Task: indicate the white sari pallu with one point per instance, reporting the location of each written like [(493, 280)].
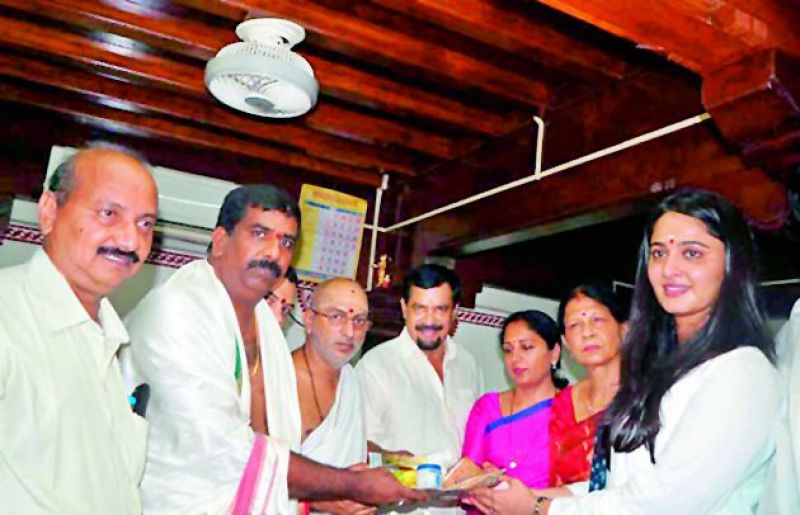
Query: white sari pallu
[(202, 455)]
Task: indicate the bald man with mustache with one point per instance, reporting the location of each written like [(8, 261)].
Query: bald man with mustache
[(69, 442)]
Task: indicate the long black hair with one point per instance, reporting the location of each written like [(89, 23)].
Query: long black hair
[(652, 360), (544, 326)]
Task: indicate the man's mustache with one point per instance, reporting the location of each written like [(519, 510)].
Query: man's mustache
[(423, 327), (266, 264), (130, 255)]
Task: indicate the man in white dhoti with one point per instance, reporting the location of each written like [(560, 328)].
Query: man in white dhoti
[(331, 408), (221, 377), (69, 442), (419, 387)]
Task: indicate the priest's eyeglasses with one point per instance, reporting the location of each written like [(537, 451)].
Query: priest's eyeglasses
[(338, 319)]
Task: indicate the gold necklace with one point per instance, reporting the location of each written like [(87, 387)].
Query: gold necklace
[(254, 370), (313, 387)]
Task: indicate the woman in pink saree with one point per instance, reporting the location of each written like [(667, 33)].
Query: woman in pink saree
[(510, 429)]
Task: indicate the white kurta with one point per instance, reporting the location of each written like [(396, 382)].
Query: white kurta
[(409, 408), (69, 442), (782, 496), (712, 453), (185, 341), (341, 439)]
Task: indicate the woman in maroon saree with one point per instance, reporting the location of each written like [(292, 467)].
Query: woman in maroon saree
[(592, 325)]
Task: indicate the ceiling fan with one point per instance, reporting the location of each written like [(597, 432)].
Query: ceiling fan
[(261, 75)]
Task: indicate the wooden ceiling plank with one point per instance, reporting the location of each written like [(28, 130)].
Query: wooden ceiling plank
[(781, 17), (340, 122), (666, 26), (189, 80), (185, 36), (101, 56), (217, 8), (151, 99), (348, 83), (501, 28), (385, 46), (149, 125)]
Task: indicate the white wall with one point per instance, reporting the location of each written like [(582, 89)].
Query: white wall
[(484, 342)]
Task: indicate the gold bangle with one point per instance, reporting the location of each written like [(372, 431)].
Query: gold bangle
[(537, 508)]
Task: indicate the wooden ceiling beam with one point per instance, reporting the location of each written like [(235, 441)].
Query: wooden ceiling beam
[(202, 41), (222, 9), (698, 34), (208, 113), (384, 46), (101, 56), (181, 35), (781, 17), (116, 120), (164, 73), (499, 27), (340, 122), (674, 29), (755, 102), (372, 91)]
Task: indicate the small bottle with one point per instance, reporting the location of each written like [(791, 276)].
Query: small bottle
[(429, 475)]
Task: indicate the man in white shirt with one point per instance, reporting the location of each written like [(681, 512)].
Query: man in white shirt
[(221, 377), (782, 490), (419, 387), (331, 408), (69, 442)]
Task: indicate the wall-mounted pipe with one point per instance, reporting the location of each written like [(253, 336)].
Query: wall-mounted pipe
[(376, 212), (669, 129)]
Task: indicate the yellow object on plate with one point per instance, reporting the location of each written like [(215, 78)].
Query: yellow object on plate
[(402, 460), (407, 477)]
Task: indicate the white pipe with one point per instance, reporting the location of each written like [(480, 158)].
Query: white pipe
[(376, 212), (559, 168), (539, 145), (615, 284), (780, 282)]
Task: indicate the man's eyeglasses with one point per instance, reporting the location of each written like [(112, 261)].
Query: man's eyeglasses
[(338, 318)]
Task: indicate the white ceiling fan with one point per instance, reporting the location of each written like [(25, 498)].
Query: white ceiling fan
[(261, 75)]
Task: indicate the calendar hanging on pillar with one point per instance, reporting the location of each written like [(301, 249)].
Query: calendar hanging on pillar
[(330, 236)]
